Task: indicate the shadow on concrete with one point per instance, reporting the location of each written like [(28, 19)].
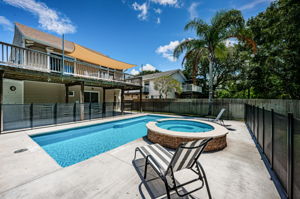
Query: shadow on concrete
[(153, 184)]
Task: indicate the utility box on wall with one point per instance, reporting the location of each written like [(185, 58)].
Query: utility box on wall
[(13, 91)]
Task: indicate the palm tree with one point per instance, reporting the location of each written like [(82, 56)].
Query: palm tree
[(210, 39)]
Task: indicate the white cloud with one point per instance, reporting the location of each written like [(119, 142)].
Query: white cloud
[(134, 72), (6, 24), (158, 20), (253, 4), (166, 2), (148, 67), (143, 8), (157, 10), (193, 10), (167, 50), (49, 19)]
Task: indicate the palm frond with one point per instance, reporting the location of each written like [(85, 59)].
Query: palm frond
[(200, 26), (187, 45)]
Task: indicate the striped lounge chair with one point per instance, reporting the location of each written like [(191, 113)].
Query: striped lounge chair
[(165, 164)]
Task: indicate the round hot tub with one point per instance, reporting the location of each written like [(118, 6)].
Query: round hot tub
[(172, 132)]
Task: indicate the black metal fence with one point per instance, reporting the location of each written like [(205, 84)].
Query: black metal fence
[(21, 116), (278, 138)]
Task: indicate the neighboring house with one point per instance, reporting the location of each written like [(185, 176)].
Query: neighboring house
[(148, 91), (33, 71)]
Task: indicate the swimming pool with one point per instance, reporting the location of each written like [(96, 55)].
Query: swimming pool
[(184, 126), (71, 146)]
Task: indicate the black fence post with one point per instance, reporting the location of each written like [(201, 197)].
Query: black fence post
[(290, 131), (253, 119), (152, 106), (55, 113), (103, 109), (74, 112), (272, 133), (31, 115), (245, 113), (257, 125), (90, 110), (263, 129)]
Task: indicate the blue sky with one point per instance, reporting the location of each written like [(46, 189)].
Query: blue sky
[(134, 31)]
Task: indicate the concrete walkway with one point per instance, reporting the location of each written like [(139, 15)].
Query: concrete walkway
[(235, 172)]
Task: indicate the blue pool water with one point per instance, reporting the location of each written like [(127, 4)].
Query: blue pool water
[(71, 146), (184, 126)]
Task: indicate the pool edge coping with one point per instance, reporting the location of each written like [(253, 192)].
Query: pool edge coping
[(218, 131)]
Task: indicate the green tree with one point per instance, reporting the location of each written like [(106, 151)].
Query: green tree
[(210, 40), (274, 71), (167, 84)]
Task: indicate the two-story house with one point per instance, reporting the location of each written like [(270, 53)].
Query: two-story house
[(42, 68), (148, 92)]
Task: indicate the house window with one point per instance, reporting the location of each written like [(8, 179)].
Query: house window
[(91, 97), (71, 93)]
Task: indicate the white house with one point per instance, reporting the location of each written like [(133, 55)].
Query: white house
[(33, 71), (150, 93)]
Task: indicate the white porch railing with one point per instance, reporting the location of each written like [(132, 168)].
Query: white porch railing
[(191, 88), (14, 56)]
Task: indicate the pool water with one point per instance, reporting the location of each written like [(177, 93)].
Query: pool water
[(71, 146), (184, 126)]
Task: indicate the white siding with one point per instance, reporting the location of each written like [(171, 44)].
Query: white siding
[(10, 96)]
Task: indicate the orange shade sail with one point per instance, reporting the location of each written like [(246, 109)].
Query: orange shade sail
[(94, 57)]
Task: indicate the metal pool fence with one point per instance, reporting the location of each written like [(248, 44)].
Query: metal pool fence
[(278, 139), (21, 116)]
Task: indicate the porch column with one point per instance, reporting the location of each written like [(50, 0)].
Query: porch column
[(67, 93), (103, 102), (81, 101), (141, 95), (122, 101), (1, 100), (49, 51)]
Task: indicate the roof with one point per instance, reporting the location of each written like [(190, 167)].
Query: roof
[(72, 49), (161, 74), (44, 38)]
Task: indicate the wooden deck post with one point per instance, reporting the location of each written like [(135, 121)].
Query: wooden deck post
[(67, 93), (1, 100), (81, 101), (122, 101)]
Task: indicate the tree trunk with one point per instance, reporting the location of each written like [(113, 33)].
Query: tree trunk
[(210, 94)]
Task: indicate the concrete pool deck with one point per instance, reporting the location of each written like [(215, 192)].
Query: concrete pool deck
[(235, 172)]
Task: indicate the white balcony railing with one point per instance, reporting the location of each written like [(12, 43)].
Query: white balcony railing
[(191, 88), (25, 58)]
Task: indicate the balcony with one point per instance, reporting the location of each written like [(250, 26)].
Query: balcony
[(24, 58), (191, 88)]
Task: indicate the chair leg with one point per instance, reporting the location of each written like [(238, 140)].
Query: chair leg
[(205, 180), (167, 189)]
